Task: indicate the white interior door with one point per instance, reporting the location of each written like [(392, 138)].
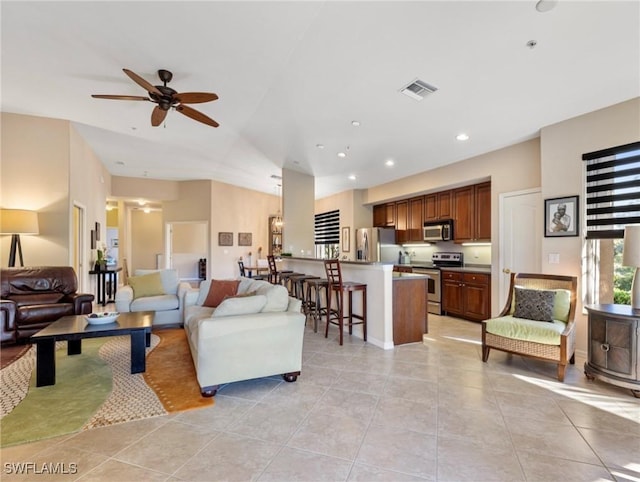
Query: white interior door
[(521, 235)]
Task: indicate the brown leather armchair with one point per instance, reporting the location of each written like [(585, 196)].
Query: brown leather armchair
[(34, 297)]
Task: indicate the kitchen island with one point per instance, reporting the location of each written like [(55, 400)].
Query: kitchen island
[(380, 280)]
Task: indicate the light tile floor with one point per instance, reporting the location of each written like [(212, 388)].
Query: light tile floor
[(429, 411)]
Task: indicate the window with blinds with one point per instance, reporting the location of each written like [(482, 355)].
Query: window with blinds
[(612, 185), (327, 228)]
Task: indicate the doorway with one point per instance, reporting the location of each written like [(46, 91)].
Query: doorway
[(78, 249), (186, 244), (520, 236)]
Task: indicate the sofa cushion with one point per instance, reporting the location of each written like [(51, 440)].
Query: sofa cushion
[(533, 304), (169, 278), (194, 313), (526, 330), (219, 290), (155, 303), (243, 305), (277, 295), (146, 285)]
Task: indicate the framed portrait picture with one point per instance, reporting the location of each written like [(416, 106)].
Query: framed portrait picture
[(225, 239), (345, 240), (561, 216), (244, 239)]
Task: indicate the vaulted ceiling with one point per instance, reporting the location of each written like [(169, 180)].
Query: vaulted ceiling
[(293, 76)]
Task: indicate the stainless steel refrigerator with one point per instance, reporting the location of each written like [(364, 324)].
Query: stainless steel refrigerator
[(370, 240)]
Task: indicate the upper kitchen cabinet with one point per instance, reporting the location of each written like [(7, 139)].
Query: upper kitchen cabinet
[(416, 216), (384, 215), (402, 222), (437, 206), (472, 213)]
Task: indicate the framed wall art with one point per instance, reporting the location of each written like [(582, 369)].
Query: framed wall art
[(244, 239), (97, 231), (346, 245), (225, 239), (561, 216)]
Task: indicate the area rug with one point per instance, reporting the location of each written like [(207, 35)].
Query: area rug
[(96, 388)]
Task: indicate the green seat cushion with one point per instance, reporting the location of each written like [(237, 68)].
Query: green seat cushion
[(526, 330)]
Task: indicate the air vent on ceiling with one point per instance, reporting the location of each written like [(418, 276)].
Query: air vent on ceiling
[(418, 89), (275, 176)]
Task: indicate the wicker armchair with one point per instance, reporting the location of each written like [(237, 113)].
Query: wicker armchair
[(561, 353)]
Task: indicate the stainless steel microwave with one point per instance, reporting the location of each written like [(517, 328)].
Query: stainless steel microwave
[(438, 231)]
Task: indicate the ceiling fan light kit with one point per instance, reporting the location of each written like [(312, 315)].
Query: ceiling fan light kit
[(166, 98)]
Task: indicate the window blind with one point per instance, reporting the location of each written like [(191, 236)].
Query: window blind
[(327, 227), (612, 185)]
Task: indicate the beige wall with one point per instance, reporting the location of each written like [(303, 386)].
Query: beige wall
[(235, 209), (143, 188), (561, 166), (298, 198), (146, 239)]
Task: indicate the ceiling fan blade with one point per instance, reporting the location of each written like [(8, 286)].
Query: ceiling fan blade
[(119, 97), (157, 116), (195, 115), (195, 97), (142, 83)]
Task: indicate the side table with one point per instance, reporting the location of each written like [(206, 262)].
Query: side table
[(613, 355), (107, 275)]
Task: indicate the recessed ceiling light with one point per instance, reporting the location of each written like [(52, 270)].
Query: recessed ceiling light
[(342, 154), (532, 44), (389, 163), (352, 177), (320, 146), (462, 137), (146, 210), (355, 123), (546, 5), (141, 202)]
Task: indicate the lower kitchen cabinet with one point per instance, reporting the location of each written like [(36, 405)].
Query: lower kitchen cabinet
[(466, 295)]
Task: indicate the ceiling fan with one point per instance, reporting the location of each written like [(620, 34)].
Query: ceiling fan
[(167, 98)]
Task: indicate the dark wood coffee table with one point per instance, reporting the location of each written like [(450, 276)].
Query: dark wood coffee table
[(74, 329)]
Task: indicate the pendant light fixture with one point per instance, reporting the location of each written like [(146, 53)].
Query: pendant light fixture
[(277, 221)]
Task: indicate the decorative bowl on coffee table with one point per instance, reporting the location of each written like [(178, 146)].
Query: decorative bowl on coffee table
[(102, 318)]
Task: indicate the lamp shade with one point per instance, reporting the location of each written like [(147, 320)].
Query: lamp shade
[(18, 221), (631, 250)]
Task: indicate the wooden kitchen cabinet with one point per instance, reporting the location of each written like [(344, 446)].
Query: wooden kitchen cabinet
[(466, 294), (402, 222), (437, 206), (384, 215), (416, 216), (409, 309), (472, 213)]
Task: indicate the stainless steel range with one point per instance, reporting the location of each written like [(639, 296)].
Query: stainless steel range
[(434, 286)]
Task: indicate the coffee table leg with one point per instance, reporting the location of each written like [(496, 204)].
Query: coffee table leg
[(148, 338), (45, 362), (74, 347), (138, 342)]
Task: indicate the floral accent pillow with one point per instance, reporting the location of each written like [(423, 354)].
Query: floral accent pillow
[(534, 304)]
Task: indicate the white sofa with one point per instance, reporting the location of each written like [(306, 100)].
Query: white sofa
[(254, 336), (168, 306)]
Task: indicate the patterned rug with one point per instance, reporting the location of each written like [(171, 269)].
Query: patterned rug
[(96, 388)]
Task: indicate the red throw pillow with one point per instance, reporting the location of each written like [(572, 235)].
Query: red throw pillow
[(219, 290)]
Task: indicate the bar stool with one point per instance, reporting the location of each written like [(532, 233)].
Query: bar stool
[(298, 286), (274, 274), (286, 280), (243, 272), (337, 288), (314, 306)]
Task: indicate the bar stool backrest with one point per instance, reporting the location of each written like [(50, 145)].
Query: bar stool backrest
[(242, 271), (334, 273)]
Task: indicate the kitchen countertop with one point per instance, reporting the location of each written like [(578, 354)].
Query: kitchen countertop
[(465, 269), (407, 276)]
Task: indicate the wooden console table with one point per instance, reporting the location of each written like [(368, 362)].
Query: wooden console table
[(106, 275), (613, 355)]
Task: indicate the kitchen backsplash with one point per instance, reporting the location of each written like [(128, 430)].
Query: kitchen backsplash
[(472, 254)]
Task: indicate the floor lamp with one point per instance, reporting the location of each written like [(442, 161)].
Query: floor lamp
[(16, 222), (631, 257)]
